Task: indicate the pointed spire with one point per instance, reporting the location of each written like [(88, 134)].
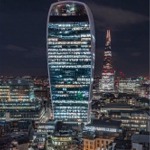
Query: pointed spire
[(108, 38)]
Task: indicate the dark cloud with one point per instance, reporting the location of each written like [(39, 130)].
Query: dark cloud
[(36, 52), (114, 16), (136, 54), (16, 48)]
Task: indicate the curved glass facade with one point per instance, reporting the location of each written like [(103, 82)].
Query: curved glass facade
[(70, 49)]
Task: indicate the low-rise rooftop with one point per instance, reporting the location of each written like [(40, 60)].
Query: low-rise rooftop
[(140, 138)]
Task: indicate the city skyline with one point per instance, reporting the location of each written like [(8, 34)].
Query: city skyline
[(23, 36), (74, 75)]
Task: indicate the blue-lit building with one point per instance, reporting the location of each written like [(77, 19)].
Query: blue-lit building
[(71, 54)]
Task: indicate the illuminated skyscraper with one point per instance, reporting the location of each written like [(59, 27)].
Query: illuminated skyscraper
[(107, 81), (71, 53)]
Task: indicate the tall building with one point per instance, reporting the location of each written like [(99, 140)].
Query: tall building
[(70, 49), (107, 81)]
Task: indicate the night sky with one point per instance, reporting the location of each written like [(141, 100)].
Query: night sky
[(23, 35)]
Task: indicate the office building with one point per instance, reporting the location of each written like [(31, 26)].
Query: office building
[(135, 120), (128, 85), (70, 52), (17, 101)]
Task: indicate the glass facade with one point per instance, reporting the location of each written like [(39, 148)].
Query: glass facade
[(70, 48)]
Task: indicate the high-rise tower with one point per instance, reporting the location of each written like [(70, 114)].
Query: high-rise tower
[(71, 54), (107, 81)]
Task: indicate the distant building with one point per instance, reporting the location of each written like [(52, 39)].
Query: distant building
[(107, 80), (128, 85), (136, 120), (17, 90), (18, 101), (70, 49), (143, 90), (140, 102)]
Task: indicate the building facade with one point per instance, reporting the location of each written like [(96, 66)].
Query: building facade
[(70, 49), (18, 101), (135, 120), (128, 86)]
